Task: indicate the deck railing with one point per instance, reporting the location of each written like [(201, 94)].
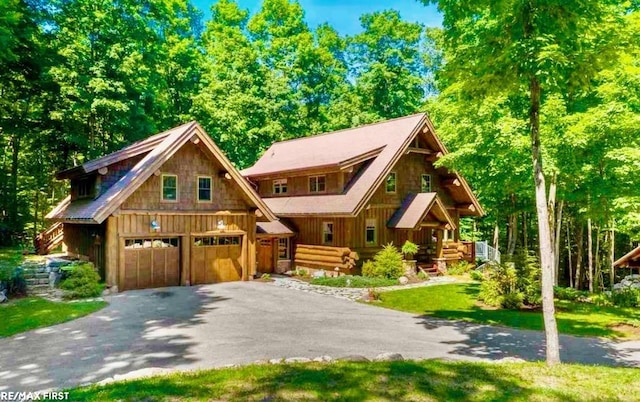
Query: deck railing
[(487, 253), (49, 239)]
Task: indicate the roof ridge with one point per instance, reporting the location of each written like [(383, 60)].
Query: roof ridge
[(347, 129)]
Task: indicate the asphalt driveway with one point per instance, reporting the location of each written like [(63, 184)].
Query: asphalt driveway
[(241, 322)]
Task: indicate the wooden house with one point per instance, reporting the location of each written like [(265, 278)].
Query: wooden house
[(168, 210), (347, 193), (631, 260)]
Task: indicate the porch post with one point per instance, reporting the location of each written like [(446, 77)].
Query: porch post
[(439, 243), (410, 235)]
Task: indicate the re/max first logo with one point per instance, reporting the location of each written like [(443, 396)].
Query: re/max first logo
[(33, 396)]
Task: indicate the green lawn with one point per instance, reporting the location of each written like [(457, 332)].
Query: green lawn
[(354, 281), (29, 313), (459, 302), (428, 380), (10, 257)]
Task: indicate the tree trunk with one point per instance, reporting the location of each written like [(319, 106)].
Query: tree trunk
[(612, 254), (512, 233), (579, 256), (496, 235), (569, 265), (597, 263), (544, 233), (525, 235), (556, 253), (590, 255), (13, 186)]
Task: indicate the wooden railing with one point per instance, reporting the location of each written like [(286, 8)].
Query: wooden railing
[(487, 253), (49, 239)]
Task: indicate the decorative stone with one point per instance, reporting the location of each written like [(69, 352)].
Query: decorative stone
[(389, 357), (297, 360), (410, 267), (319, 274), (3, 296), (354, 358), (403, 280), (275, 361)]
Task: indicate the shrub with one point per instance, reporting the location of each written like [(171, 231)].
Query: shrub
[(300, 272), (501, 280), (82, 281), (477, 275), (512, 301), (409, 249), (423, 275), (369, 269), (265, 276), (569, 294), (387, 263), (601, 299), (626, 297), (459, 268), (373, 294)]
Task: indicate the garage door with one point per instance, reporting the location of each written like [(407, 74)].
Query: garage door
[(151, 263), (216, 259)]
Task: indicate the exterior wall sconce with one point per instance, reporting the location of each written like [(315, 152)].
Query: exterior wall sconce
[(221, 225), (155, 226)]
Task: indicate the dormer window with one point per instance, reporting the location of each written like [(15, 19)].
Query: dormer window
[(84, 189), (280, 186), (317, 184), (391, 183)]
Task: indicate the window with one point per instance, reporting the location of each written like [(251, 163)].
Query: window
[(280, 186), (150, 243), (283, 248), (425, 183), (169, 187), (370, 232), (84, 189), (327, 232), (391, 183), (216, 241), (204, 188), (316, 184)]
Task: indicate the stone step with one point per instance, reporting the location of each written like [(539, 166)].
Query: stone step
[(35, 275), (37, 281)]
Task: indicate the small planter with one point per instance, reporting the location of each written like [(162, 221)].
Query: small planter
[(410, 267)]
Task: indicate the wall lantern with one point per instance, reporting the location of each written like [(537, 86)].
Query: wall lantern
[(155, 226), (221, 225)]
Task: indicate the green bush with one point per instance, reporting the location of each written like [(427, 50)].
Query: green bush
[(387, 263), (512, 301), (569, 294), (459, 268), (82, 281), (500, 281), (409, 249), (423, 275), (626, 297), (601, 299), (353, 281), (477, 275)]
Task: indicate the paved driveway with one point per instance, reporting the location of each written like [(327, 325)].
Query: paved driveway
[(215, 325)]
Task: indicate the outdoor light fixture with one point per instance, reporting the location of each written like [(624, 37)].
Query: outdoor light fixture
[(155, 226), (221, 225)]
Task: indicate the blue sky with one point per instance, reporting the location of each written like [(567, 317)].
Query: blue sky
[(343, 14)]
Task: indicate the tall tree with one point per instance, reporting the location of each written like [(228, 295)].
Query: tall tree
[(529, 48)]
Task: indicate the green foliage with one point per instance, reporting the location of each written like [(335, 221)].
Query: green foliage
[(349, 281), (459, 268), (387, 263), (512, 301), (373, 294), (423, 275), (265, 276), (477, 275), (409, 249), (626, 297), (501, 281), (569, 294), (300, 272), (81, 282)]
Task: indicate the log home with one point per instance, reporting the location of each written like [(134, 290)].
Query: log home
[(169, 210), (347, 193)]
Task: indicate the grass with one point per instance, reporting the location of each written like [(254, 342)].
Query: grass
[(30, 313), (10, 258), (354, 281), (428, 380), (459, 302)]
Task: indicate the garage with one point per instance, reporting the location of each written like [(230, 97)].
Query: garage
[(151, 263), (216, 259)]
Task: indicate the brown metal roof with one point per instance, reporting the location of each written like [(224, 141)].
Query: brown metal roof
[(415, 209), (391, 138), (631, 256), (276, 228), (96, 211)]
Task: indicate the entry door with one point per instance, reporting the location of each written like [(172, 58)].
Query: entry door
[(265, 255), (216, 259)]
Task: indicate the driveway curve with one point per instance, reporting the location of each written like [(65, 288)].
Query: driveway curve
[(186, 328)]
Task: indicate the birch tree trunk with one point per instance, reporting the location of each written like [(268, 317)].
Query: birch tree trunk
[(590, 255), (569, 265), (556, 253), (612, 252), (496, 235), (579, 256), (546, 250), (512, 233)]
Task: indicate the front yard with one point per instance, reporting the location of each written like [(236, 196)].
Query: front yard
[(22, 315), (428, 380), (460, 302)]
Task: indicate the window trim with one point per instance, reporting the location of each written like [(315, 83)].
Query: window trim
[(324, 190), (198, 177), (287, 255), (279, 182), (395, 183), (162, 176), (325, 224), (422, 176), (375, 232)]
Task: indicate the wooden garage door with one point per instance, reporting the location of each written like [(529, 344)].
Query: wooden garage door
[(151, 263), (216, 259)]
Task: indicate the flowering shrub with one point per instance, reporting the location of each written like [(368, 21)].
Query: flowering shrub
[(627, 292)]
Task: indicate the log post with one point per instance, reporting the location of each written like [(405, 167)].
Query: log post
[(111, 253)]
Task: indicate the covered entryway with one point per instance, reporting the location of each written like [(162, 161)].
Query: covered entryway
[(151, 263), (266, 256), (216, 259)]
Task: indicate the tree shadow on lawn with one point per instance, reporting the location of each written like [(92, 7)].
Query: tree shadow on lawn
[(406, 380), (139, 329)]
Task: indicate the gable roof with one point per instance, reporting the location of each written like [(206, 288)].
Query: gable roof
[(415, 209), (631, 256), (383, 143), (97, 210)]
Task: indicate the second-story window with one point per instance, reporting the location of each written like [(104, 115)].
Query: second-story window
[(84, 189), (317, 184), (425, 183), (204, 188), (280, 186), (391, 183), (169, 187)]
